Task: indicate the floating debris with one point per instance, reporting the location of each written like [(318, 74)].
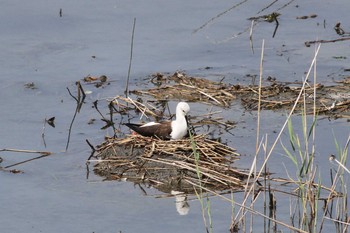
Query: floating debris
[(307, 16), (274, 95), (268, 18), (97, 81), (30, 85), (191, 89), (51, 122)]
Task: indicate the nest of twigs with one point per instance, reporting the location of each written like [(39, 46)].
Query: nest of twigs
[(170, 165)]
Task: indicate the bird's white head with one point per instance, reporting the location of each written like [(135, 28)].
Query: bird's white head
[(179, 126), (182, 109)]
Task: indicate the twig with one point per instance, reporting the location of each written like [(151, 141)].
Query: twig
[(80, 101), (259, 91), (337, 221), (266, 7), (136, 104), (210, 97), (285, 5), (218, 16), (88, 160), (92, 148), (333, 159), (27, 151), (141, 110), (109, 122), (28, 160), (43, 132), (202, 92), (131, 52), (251, 36), (277, 24), (308, 43), (111, 108), (95, 105)]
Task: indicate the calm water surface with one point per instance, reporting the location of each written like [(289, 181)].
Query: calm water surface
[(93, 37)]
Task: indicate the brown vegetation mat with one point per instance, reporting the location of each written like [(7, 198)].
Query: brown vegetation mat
[(330, 100), (192, 89), (170, 165)]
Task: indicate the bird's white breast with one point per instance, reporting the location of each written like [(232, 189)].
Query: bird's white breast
[(179, 129)]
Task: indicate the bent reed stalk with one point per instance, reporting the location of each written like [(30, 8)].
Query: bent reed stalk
[(309, 195), (307, 216), (204, 205)]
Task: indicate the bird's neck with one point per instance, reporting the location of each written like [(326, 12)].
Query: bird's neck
[(180, 118)]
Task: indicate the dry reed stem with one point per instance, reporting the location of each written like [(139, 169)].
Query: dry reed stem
[(27, 151), (190, 167), (130, 58), (290, 114), (202, 92), (249, 209), (140, 106), (257, 177), (333, 187)]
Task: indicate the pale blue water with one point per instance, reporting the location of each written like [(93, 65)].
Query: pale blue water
[(36, 45)]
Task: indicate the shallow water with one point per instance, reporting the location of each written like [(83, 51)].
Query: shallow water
[(52, 194)]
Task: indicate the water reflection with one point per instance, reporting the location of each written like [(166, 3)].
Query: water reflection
[(181, 203)]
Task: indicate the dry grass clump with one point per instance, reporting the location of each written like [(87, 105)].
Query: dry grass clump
[(331, 100), (170, 165), (192, 89)]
